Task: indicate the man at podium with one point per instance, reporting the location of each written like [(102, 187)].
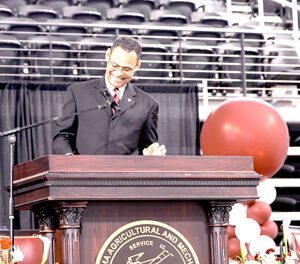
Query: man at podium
[(110, 115)]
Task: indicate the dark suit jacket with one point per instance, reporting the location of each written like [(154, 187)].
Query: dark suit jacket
[(98, 132)]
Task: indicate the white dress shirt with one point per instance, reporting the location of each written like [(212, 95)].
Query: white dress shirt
[(120, 91)]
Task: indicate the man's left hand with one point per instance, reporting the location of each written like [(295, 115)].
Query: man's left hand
[(155, 149)]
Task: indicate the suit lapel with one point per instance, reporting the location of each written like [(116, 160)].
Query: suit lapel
[(127, 101)]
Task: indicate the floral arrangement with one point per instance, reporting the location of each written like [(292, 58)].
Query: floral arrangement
[(262, 250), (9, 255), (269, 257)]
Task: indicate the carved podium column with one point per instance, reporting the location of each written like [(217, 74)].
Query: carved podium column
[(218, 219), (70, 216), (47, 220)]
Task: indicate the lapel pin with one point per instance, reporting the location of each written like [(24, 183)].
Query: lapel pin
[(129, 100)]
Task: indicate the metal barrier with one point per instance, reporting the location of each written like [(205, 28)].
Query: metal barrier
[(233, 60)]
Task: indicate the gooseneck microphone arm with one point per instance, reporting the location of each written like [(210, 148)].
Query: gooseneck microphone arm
[(12, 140), (53, 119), (111, 100)]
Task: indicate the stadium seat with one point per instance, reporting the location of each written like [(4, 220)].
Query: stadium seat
[(283, 204), (21, 27), (124, 14), (45, 2), (297, 141), (37, 12), (10, 53), (210, 38), (231, 66), (101, 7), (155, 66), (170, 17), (49, 57), (286, 171), (195, 58), (164, 36), (153, 4), (82, 13), (110, 3), (212, 19), (282, 62), (5, 11), (112, 30), (92, 55), (14, 5), (145, 6), (254, 38), (57, 5), (185, 7), (69, 29)]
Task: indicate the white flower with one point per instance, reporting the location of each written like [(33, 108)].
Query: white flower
[(17, 254)]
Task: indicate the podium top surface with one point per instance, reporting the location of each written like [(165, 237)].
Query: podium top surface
[(148, 166), (88, 177)]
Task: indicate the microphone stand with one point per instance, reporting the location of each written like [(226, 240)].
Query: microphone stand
[(12, 141)]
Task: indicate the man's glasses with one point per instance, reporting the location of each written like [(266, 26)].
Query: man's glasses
[(116, 67)]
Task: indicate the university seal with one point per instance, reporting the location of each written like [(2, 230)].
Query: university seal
[(147, 242)]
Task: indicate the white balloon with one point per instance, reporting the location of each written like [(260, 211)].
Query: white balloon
[(238, 212), (266, 191), (261, 245), (247, 230)]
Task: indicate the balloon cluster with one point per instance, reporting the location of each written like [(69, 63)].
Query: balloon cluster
[(249, 127), (250, 221)]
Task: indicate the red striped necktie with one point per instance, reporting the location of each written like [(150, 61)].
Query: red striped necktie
[(117, 98)]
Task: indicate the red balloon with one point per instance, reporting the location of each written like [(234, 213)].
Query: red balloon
[(259, 211), (247, 127), (270, 229), (231, 231), (248, 203), (234, 247), (32, 248)]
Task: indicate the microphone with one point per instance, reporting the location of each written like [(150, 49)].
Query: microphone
[(111, 100)]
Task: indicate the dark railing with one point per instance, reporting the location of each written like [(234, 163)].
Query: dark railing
[(236, 60)]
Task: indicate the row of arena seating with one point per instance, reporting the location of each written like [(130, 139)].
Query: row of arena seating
[(212, 29), (68, 49), (123, 14), (168, 11), (52, 57), (100, 10), (28, 24)]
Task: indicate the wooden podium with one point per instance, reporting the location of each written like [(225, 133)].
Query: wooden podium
[(80, 201)]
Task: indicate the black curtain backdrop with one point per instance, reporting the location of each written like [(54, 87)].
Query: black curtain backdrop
[(25, 104)]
